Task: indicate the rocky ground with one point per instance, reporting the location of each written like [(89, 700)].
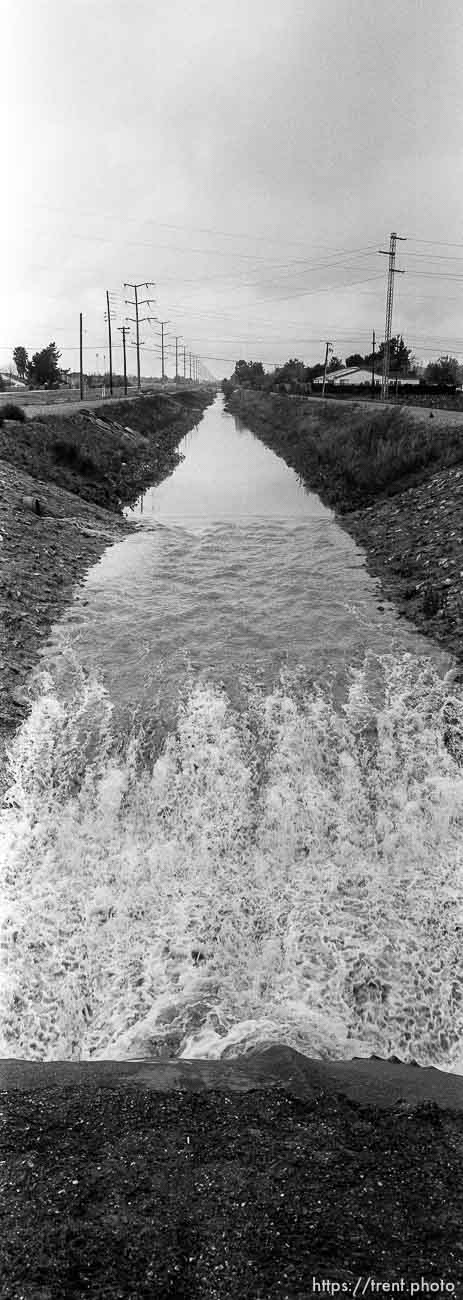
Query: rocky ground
[(245, 1180), (414, 543)]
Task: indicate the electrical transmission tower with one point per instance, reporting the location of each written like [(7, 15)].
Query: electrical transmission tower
[(393, 270), (139, 302), (162, 323)]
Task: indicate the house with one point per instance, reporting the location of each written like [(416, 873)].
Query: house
[(357, 376)]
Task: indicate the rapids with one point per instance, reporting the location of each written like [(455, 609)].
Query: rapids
[(234, 815)]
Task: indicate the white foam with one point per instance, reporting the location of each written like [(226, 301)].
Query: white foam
[(291, 873)]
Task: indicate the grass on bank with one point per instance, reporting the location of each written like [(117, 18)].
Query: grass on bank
[(103, 455), (351, 456)]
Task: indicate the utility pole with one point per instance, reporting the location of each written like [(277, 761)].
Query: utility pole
[(392, 271), (177, 337), (110, 345), (190, 363), (139, 302), (124, 329), (81, 361), (373, 366), (328, 349), (184, 363), (162, 323)]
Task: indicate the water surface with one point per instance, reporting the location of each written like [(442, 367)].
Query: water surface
[(236, 810)]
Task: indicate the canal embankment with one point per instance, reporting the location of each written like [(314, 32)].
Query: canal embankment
[(395, 483), (230, 1179), (64, 480)]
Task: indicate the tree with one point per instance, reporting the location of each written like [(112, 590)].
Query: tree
[(43, 371), (334, 364), (249, 372), (355, 360), (312, 372), (292, 370), (401, 361), (399, 356), (446, 370), (20, 359)]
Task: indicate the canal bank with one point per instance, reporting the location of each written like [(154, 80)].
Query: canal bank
[(64, 480), (396, 484)]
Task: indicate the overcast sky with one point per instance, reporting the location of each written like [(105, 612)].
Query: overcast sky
[(247, 157)]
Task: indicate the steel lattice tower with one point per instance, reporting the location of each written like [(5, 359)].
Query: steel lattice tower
[(392, 271)]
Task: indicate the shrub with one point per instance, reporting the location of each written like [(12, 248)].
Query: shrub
[(12, 412), (68, 453)]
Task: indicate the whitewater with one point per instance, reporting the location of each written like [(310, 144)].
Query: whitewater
[(234, 814)]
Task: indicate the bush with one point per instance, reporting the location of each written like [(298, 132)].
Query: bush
[(68, 453), (12, 412)]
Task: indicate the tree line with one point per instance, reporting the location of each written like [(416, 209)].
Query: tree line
[(42, 370), (445, 371)]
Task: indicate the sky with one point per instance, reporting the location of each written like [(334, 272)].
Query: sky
[(249, 159)]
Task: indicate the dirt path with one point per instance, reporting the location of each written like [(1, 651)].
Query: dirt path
[(418, 413)]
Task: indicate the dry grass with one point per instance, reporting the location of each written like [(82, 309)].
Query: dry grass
[(350, 455)]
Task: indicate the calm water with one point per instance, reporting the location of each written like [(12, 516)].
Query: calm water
[(235, 812)]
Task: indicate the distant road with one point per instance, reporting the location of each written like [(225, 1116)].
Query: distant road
[(440, 414), (34, 404)]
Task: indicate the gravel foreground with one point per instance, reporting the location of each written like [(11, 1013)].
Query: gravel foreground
[(250, 1178)]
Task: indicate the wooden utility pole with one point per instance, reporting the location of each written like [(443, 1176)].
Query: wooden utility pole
[(124, 329), (190, 363), (184, 363), (81, 362), (139, 302), (327, 350), (110, 345), (373, 366)]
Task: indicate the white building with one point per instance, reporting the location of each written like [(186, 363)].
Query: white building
[(10, 380), (357, 375)]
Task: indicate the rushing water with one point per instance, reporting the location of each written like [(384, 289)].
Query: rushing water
[(235, 811)]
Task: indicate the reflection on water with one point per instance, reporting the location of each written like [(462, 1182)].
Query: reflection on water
[(235, 567), (227, 475)]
